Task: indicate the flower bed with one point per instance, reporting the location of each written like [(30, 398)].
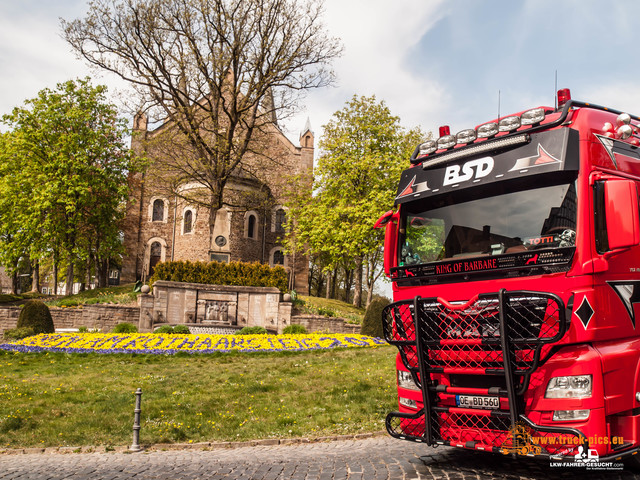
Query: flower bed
[(170, 344)]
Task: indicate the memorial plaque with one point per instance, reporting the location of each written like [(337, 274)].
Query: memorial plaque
[(175, 307), (256, 309)]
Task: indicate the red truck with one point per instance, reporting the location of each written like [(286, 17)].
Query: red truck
[(514, 253)]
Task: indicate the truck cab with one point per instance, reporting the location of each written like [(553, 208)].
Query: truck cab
[(514, 251)]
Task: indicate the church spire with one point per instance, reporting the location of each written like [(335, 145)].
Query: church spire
[(307, 137)]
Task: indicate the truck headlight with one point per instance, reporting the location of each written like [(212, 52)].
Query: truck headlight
[(406, 381), (407, 402), (575, 386), (560, 415)]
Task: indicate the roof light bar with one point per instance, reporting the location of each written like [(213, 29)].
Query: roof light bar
[(509, 124), (428, 147), (488, 130), (446, 141), (477, 149), (533, 116), (466, 136)]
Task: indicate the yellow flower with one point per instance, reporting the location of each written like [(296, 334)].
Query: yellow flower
[(155, 343)]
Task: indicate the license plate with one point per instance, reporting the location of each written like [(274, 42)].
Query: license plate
[(477, 401)]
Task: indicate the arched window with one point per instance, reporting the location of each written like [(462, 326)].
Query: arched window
[(188, 221), (158, 210), (281, 219), (251, 225), (155, 256), (278, 258)]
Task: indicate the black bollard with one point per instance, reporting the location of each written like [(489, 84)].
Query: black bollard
[(135, 447)]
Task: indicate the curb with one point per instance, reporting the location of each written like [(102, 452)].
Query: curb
[(155, 447)]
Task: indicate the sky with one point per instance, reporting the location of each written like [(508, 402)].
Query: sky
[(434, 62)]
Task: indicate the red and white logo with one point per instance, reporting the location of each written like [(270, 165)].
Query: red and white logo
[(413, 188), (542, 158)]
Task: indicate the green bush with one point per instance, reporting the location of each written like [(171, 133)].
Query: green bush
[(169, 330), (164, 329), (294, 329), (36, 314), (14, 334), (252, 331), (181, 330), (125, 328), (83, 330), (372, 323), (326, 312), (218, 273)]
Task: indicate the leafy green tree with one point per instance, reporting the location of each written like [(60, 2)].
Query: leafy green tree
[(15, 245), (64, 170), (364, 151)]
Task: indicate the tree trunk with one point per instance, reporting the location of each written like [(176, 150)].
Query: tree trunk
[(319, 284), (334, 282), (216, 204), (55, 274), (348, 283), (69, 277), (35, 279), (374, 272), (14, 282), (102, 273), (357, 293), (369, 296), (96, 267), (329, 285), (87, 278)]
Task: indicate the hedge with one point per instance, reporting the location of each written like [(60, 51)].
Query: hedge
[(218, 273)]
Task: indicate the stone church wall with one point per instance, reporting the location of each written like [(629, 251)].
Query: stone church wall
[(245, 192), (101, 317)]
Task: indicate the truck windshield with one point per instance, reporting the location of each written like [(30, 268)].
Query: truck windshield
[(509, 222)]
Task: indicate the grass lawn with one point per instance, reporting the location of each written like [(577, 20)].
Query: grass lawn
[(10, 298), (113, 294), (332, 308), (58, 399)]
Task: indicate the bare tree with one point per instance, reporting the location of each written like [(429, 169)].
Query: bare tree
[(220, 72)]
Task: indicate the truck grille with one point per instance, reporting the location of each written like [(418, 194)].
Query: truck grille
[(499, 336), (466, 338)]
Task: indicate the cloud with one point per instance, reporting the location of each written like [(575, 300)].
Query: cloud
[(33, 54), (378, 37), (623, 95)]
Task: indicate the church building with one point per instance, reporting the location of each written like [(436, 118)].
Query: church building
[(160, 226)]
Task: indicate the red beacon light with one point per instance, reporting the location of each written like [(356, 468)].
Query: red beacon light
[(564, 95), (444, 130)]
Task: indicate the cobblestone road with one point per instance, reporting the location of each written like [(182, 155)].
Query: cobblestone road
[(372, 458)]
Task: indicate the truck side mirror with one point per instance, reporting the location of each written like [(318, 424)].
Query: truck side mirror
[(621, 207), (390, 221)]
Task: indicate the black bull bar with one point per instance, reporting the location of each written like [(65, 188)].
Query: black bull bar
[(499, 336)]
